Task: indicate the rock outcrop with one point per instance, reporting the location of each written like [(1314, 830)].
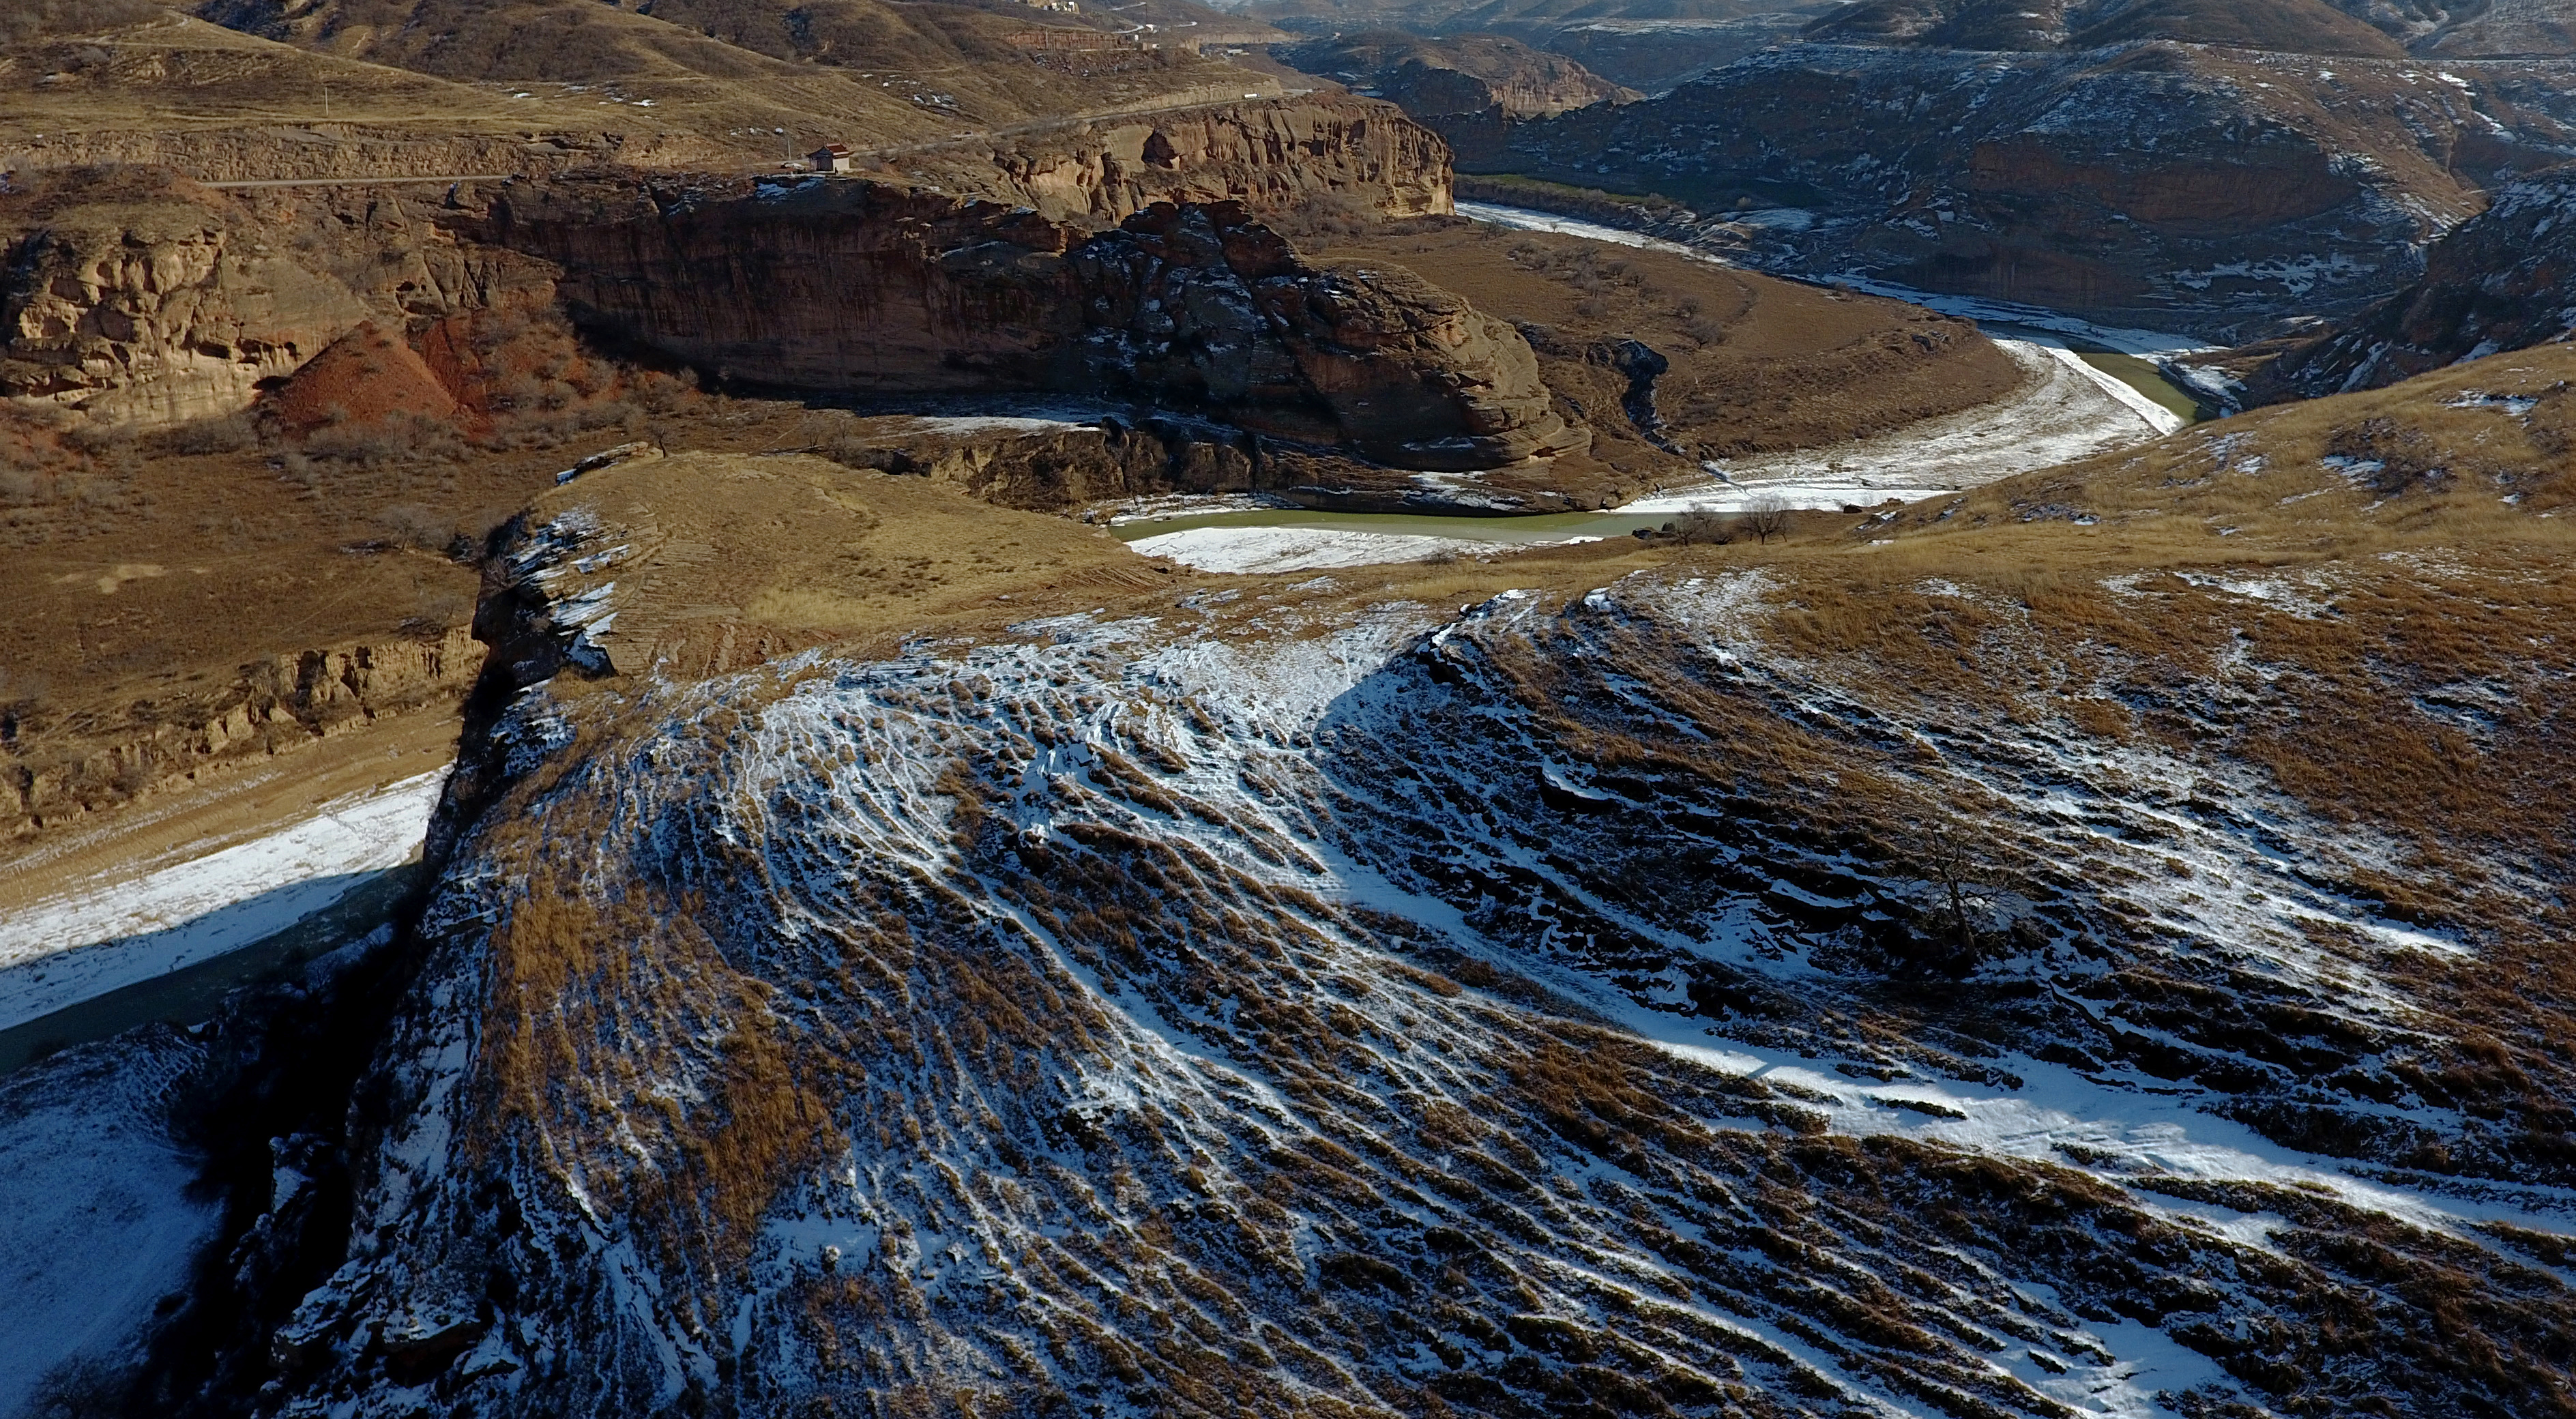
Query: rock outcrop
[(857, 287), (2505, 280), (58, 766), (137, 296), (158, 311), (1264, 155)]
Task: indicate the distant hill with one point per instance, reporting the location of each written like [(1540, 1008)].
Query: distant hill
[(2288, 26), (860, 67), (2178, 187), (1458, 74)]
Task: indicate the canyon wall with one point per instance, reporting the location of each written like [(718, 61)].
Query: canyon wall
[(56, 767), (137, 296), (850, 286), (1264, 155)]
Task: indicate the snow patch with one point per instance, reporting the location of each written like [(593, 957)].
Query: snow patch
[(111, 932)]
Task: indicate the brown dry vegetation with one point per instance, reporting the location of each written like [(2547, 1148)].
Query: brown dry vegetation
[(1150, 1246), (438, 87), (1757, 364)]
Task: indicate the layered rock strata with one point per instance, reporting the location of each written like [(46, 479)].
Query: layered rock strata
[(56, 767), (848, 286), (137, 296), (1264, 155)]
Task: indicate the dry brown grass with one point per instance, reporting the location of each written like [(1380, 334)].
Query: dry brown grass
[(1435, 1081), (1757, 364)]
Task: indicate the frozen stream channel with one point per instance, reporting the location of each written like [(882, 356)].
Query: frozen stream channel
[(2067, 408), (119, 931)]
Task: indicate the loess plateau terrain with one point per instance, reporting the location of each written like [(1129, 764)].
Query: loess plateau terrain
[(2090, 945), (1128, 751)]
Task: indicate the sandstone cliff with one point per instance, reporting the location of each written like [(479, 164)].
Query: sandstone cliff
[(1265, 155), (136, 296), (2503, 281), (848, 286), (157, 311), (56, 766)]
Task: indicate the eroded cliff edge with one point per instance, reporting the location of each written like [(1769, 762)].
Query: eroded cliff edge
[(855, 287)]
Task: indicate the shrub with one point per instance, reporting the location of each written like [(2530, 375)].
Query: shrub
[(396, 438), (418, 527), (1699, 525), (1766, 517), (229, 433)]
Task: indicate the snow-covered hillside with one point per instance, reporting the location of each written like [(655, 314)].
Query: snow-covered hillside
[(1300, 1005)]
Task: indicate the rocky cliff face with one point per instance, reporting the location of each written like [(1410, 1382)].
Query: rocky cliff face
[(855, 287), (1265, 155), (58, 767), (135, 296), (2503, 281), (159, 311), (2152, 183)]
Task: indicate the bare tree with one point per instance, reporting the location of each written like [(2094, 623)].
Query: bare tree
[(1766, 516), (1700, 525), (1946, 852), (1947, 861)]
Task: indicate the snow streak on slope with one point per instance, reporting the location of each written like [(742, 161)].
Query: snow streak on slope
[(1290, 549), (2059, 415), (1245, 1019)]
